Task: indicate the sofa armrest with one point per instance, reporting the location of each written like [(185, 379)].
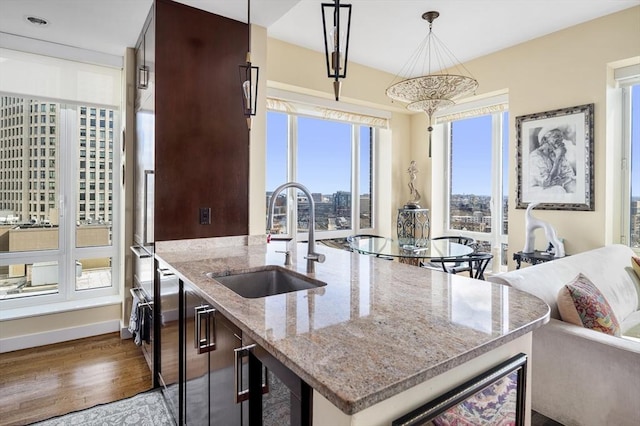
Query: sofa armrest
[(584, 377)]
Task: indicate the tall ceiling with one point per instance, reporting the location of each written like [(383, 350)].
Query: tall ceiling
[(384, 33)]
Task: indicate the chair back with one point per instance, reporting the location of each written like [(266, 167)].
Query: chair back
[(467, 241)]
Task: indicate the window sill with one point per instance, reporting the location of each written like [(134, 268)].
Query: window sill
[(55, 308)]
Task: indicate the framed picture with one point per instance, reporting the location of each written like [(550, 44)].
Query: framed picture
[(555, 159), (495, 397)]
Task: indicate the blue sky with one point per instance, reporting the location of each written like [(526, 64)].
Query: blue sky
[(324, 154)]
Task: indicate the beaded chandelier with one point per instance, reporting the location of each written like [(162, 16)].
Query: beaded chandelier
[(435, 90)]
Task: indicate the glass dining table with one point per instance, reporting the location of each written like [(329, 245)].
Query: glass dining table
[(391, 249)]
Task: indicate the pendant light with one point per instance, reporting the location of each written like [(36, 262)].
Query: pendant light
[(336, 41), (434, 89), (249, 77)]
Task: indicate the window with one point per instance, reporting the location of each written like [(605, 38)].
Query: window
[(634, 167), (333, 159), (475, 161), (42, 261), (629, 87)]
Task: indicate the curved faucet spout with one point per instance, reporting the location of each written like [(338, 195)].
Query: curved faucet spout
[(312, 256)]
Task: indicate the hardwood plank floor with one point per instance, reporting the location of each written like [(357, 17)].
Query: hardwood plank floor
[(47, 381)]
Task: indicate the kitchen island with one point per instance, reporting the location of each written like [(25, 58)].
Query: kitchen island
[(379, 339)]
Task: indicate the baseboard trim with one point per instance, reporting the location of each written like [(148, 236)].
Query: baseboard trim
[(56, 336)]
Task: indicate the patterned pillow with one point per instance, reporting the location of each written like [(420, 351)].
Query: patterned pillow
[(581, 303), (635, 262)]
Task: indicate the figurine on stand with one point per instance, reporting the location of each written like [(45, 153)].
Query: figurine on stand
[(415, 195)]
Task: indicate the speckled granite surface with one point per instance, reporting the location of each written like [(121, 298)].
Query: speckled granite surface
[(377, 328)]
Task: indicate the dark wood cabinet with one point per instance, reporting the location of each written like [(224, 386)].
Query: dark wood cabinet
[(209, 367), (192, 138), (211, 373)]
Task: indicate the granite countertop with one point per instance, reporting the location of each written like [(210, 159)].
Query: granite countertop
[(377, 328)]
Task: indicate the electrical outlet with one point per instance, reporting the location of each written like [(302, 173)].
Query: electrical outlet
[(205, 215)]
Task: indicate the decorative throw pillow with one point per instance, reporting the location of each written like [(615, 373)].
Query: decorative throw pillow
[(581, 303), (635, 262)]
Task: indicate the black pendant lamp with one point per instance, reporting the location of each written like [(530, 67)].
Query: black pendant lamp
[(249, 77), (335, 17)]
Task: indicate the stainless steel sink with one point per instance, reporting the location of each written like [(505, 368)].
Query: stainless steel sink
[(269, 281)]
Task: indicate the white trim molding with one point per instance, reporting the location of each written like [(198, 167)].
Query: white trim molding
[(56, 336)]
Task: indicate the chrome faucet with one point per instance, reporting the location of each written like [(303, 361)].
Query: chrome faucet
[(312, 256)]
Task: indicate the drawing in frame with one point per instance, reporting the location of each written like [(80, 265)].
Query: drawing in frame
[(555, 159), (496, 396)]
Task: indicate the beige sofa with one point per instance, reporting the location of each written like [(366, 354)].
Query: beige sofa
[(581, 376)]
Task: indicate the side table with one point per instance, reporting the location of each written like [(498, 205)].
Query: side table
[(533, 258), (413, 227)]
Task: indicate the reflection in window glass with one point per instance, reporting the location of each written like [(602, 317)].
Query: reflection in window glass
[(93, 273), (471, 306)]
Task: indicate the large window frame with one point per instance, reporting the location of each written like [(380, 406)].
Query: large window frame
[(68, 253), (628, 91), (498, 237), (355, 185)]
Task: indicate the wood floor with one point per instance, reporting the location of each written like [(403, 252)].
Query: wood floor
[(47, 381)]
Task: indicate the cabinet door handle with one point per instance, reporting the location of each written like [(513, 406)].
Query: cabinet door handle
[(206, 343), (165, 272), (243, 394)]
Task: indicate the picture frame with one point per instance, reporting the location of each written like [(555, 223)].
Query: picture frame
[(497, 396), (555, 159)]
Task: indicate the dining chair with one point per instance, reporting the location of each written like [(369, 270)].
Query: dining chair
[(467, 241), (474, 263), (455, 265)]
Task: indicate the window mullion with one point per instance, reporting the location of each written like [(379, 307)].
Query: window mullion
[(66, 190), (292, 174), (496, 189), (446, 195), (355, 178), (625, 166)]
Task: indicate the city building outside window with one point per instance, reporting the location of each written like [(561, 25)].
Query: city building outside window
[(51, 252), (333, 159), (475, 161)]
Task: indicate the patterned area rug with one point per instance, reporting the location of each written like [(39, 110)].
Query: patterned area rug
[(144, 409)]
